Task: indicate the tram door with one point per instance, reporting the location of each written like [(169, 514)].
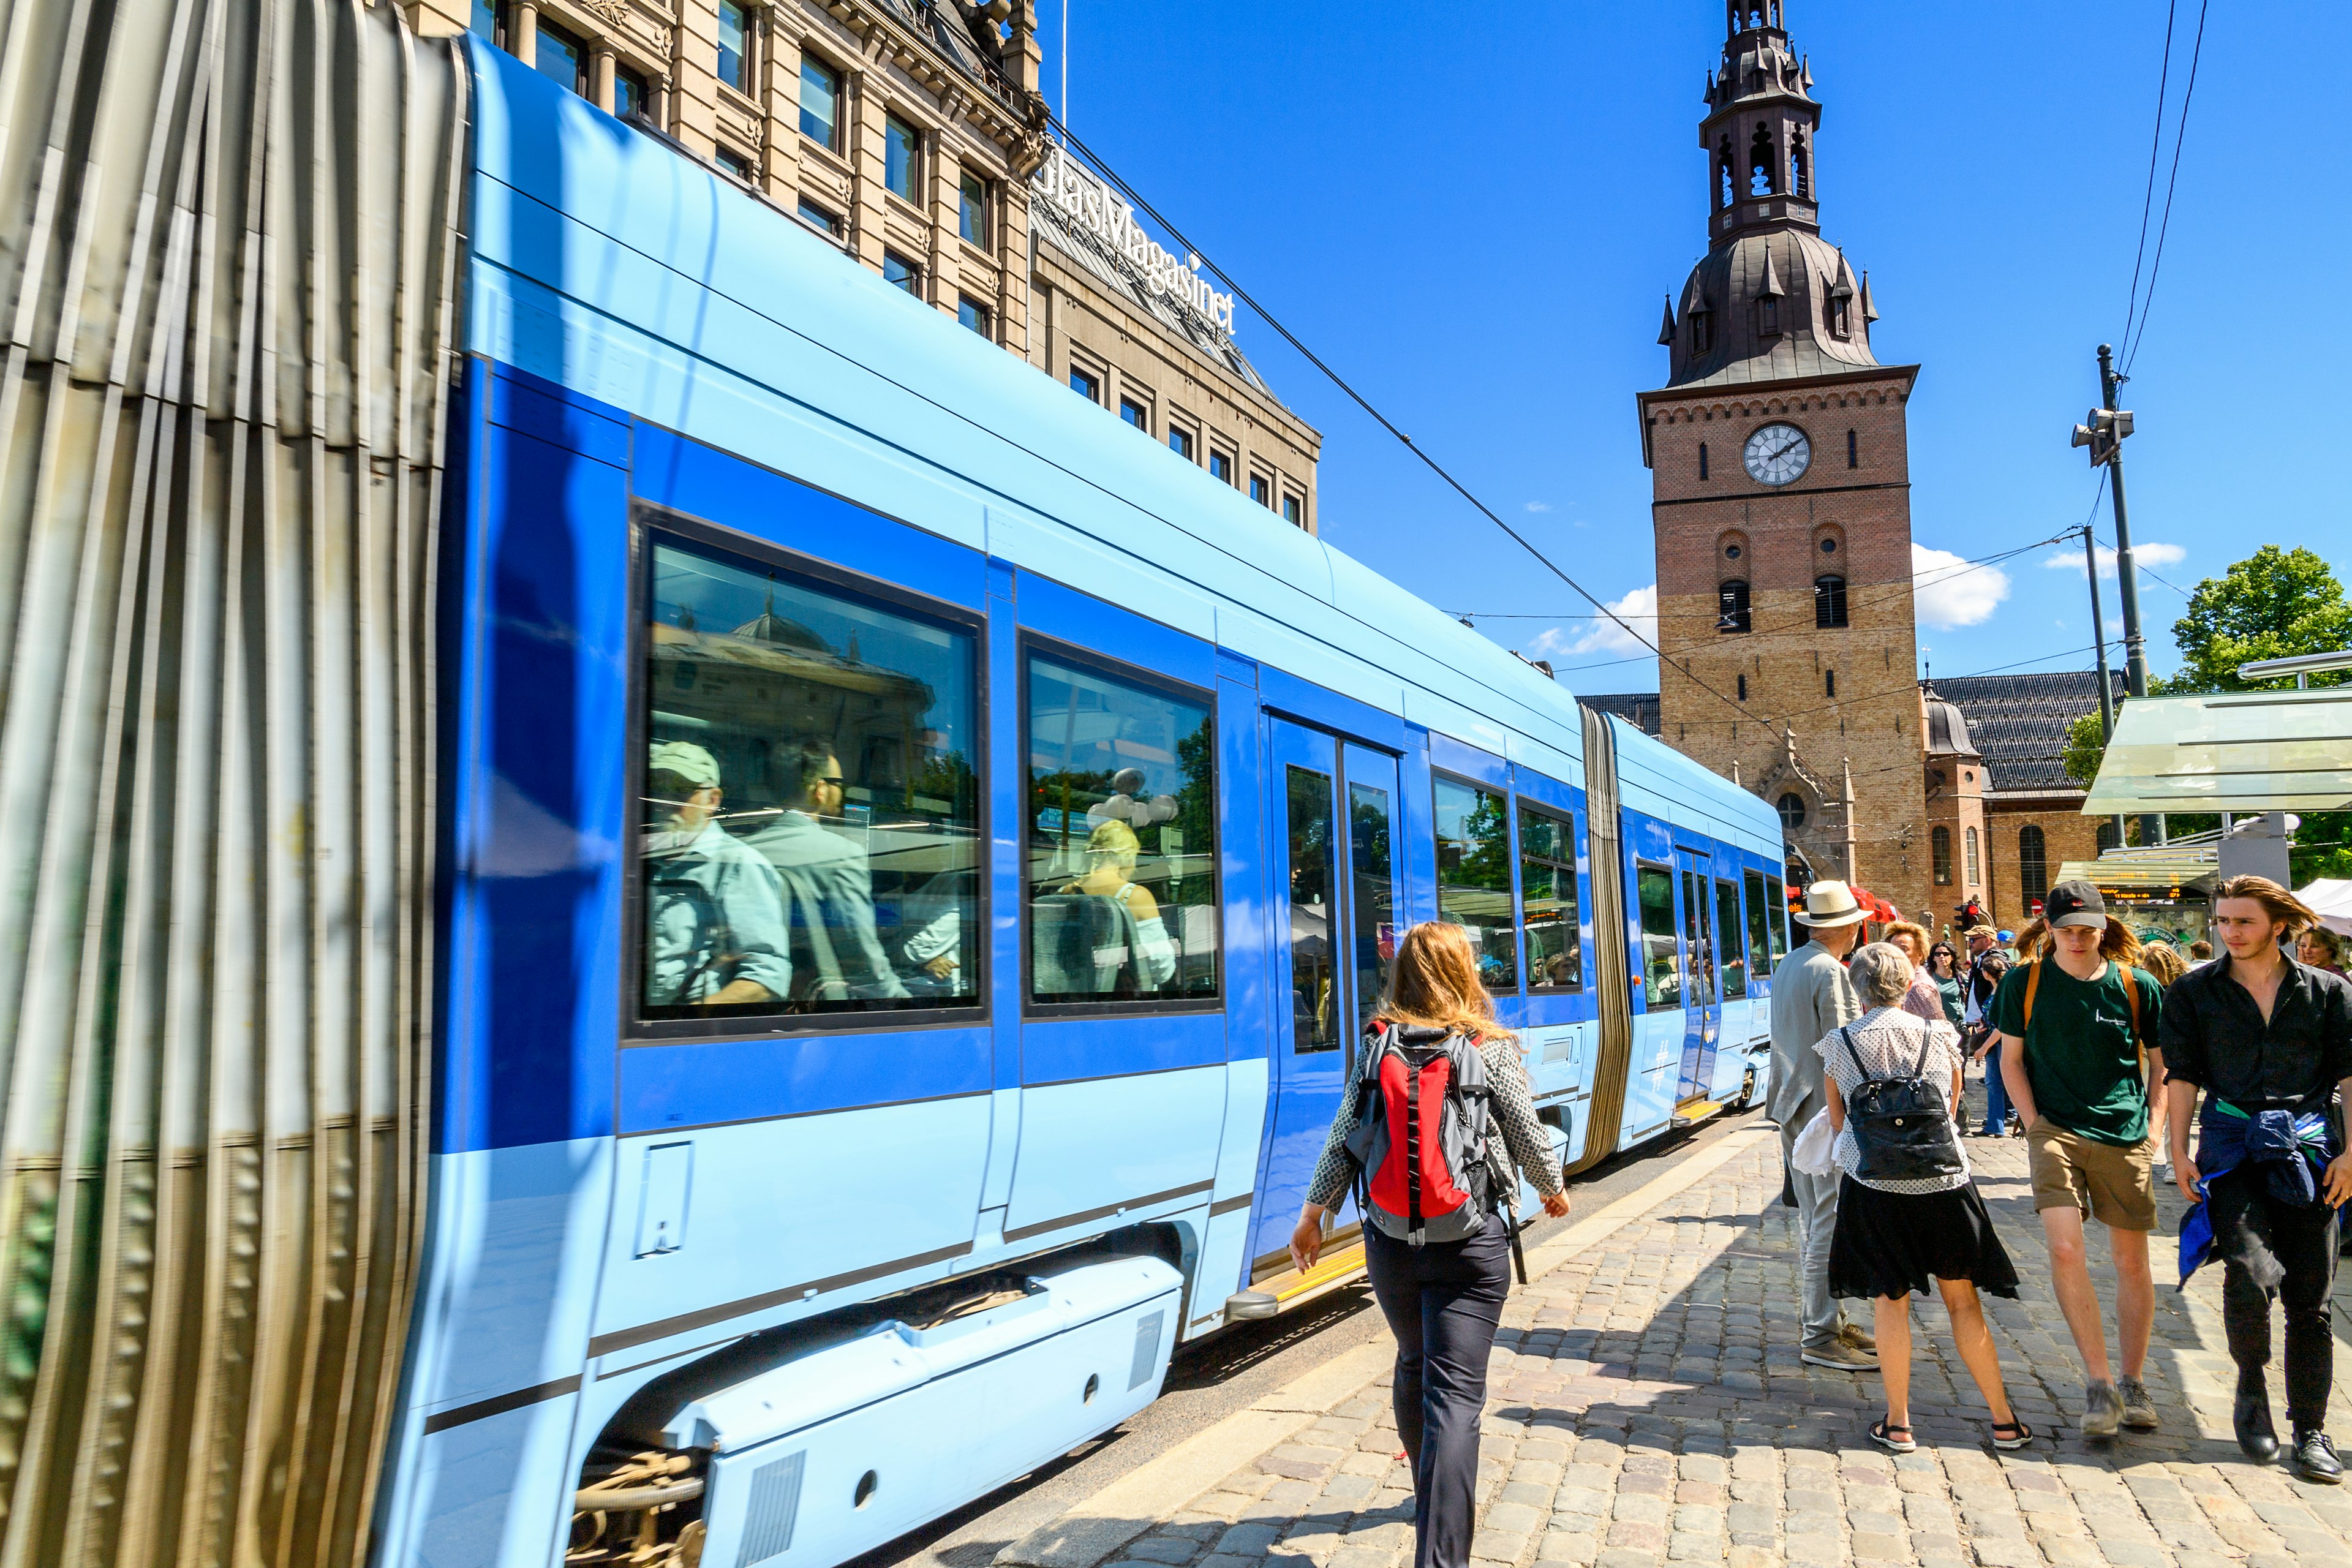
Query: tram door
[(1336, 866), (1702, 1004)]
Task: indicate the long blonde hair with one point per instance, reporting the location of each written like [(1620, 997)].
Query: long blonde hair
[(2117, 943), (1433, 985)]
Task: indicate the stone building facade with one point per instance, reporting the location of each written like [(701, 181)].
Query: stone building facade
[(1780, 491), (2032, 808), (912, 134)]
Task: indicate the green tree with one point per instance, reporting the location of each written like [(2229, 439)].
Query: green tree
[(2087, 743), (2276, 604)]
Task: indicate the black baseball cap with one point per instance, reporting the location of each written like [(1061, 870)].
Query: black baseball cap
[(2075, 904)]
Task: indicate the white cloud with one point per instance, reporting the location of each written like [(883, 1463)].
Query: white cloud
[(1638, 609), (1949, 593), (2154, 554), (1539, 506)]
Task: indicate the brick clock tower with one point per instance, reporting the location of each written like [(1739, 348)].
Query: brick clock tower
[(1780, 493)]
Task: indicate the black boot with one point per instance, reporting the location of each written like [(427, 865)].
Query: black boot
[(2256, 1436), (2315, 1459)]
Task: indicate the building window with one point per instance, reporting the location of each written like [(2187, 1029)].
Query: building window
[(1841, 317), (820, 103), (1130, 412), (1743, 688), (734, 164), (1768, 318), (1180, 441), (1122, 831), (901, 145), (1763, 165), (561, 57), (1548, 928), (1829, 683), (901, 273), (1940, 847), (1724, 174), (490, 22), (973, 314), (1260, 491), (1221, 465), (1473, 878), (2108, 838), (1702, 325), (1293, 511), (1702, 459), (1731, 600), (1853, 450), (631, 101), (1087, 384), (735, 45), (1829, 544), (1975, 866), (972, 207), (2034, 862), (816, 217), (1791, 807), (1829, 599), (751, 907), (1801, 165)]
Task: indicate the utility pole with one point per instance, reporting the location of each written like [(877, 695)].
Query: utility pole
[(2105, 436), (2099, 636)]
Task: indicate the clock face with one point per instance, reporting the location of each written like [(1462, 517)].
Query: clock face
[(1778, 455)]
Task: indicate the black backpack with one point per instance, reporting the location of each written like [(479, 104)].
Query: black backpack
[(1902, 1127)]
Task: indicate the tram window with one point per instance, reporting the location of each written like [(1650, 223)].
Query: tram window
[(811, 807), (1314, 912), (1727, 935), (1760, 927), (1548, 900), (1473, 878), (1661, 968), (1776, 919), (1121, 839), (1702, 947), (1372, 896)]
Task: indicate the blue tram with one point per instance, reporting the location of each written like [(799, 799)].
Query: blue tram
[(881, 869)]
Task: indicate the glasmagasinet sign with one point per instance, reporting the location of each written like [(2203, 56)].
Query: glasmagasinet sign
[(1086, 202)]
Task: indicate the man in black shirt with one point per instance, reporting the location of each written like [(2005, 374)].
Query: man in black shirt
[(2268, 1042)]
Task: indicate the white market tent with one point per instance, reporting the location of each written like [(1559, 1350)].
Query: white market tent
[(2332, 898)]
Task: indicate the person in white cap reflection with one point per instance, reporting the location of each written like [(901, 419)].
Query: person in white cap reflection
[(714, 911), (1812, 994)]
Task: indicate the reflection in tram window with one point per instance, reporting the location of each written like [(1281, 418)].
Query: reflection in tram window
[(1662, 970), (825, 743), (1547, 895), (1313, 914), (1473, 878), (1775, 903), (1122, 839), (1728, 931), (1759, 940), (1702, 946), (1373, 896)]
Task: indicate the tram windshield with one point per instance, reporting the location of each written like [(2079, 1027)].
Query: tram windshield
[(810, 804), (1122, 839)]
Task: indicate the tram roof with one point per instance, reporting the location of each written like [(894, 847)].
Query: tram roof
[(605, 261)]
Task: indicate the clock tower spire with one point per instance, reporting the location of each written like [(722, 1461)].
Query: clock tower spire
[(1780, 478)]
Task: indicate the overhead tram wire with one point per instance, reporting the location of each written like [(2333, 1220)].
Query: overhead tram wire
[(2155, 147), (2180, 135), (1380, 418)]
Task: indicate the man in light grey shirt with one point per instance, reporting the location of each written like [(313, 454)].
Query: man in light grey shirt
[(1812, 994)]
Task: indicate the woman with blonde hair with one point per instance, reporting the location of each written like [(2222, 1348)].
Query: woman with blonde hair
[(1923, 998), (1442, 1299)]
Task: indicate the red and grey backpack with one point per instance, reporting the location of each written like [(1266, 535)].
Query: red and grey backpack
[(1419, 1138)]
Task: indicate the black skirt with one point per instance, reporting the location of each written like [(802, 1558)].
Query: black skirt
[(1889, 1244)]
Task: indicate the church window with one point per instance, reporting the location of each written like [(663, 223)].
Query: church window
[(1939, 844), (1731, 553), (1768, 318), (1798, 161), (2034, 863), (1702, 323), (1976, 866), (1732, 599), (1829, 683), (1724, 191), (1791, 807), (1743, 697), (1763, 171), (1702, 459), (1842, 318), (1829, 545), (1829, 600), (1853, 451)]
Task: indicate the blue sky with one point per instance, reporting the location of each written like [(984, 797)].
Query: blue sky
[(1474, 212)]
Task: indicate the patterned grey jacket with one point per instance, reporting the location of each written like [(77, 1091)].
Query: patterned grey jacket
[(1511, 1110)]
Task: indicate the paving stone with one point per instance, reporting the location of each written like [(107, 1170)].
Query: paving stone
[(1499, 1545), (1247, 1540), (1164, 1549)]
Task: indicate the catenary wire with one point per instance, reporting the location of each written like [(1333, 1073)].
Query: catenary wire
[(2155, 146), (2180, 135)]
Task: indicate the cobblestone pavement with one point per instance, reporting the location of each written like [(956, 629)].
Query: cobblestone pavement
[(1647, 1407)]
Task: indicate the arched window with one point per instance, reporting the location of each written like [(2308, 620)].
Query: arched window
[(1724, 184), (1763, 165), (2032, 865), (1975, 866), (1797, 158), (1853, 451), (1732, 600), (1702, 459), (1829, 600), (1791, 807), (1940, 845)]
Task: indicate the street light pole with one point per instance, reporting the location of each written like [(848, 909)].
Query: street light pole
[(2151, 826), (2099, 636)]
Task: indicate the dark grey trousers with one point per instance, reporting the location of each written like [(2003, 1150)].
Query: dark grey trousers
[(1442, 1302)]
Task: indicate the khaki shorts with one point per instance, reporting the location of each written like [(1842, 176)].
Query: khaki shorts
[(2114, 1186)]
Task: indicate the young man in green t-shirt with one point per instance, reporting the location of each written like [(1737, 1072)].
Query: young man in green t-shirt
[(2077, 1047)]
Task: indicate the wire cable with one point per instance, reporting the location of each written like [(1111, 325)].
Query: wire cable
[(2180, 135), (2155, 146)]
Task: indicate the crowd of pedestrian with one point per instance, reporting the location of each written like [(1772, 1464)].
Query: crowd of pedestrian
[(2106, 1053)]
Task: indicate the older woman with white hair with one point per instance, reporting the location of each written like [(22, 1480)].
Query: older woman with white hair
[(1907, 1204)]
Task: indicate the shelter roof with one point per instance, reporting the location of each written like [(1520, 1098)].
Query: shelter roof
[(2239, 751)]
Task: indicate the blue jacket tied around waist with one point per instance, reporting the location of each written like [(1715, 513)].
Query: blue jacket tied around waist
[(2294, 1152)]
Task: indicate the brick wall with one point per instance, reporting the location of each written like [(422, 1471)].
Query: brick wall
[(2066, 835)]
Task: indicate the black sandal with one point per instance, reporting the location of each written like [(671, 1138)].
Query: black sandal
[(2023, 1435), (1884, 1436)]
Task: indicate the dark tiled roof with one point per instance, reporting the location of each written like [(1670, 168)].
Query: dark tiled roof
[(2020, 722), (1639, 709)]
